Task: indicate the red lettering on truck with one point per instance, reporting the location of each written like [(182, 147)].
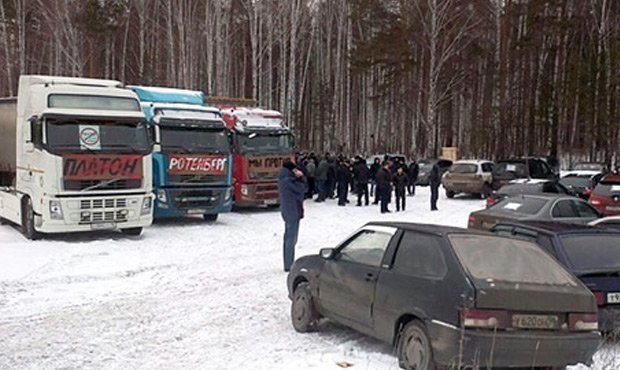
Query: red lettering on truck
[(196, 164), (101, 167)]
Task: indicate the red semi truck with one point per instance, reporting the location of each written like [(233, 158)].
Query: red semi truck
[(261, 142)]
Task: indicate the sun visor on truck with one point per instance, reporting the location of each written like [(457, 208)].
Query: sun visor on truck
[(166, 95)]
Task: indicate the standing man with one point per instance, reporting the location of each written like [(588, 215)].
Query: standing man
[(384, 186), (310, 174), (374, 168), (292, 187), (434, 180), (362, 175), (414, 170), (401, 180), (321, 179), (343, 177)]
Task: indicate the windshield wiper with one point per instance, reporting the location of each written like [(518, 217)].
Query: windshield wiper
[(101, 184)]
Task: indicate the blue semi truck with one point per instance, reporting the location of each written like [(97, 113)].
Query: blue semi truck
[(192, 163)]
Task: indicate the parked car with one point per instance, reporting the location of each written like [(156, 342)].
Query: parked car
[(541, 207), (439, 293), (606, 195), (590, 253), (507, 171), (399, 157), (531, 187), (469, 176), (612, 222), (426, 165), (590, 166), (581, 184)]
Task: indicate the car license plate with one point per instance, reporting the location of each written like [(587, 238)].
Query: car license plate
[(271, 202), (613, 298), (195, 211), (103, 226), (613, 208), (535, 321)]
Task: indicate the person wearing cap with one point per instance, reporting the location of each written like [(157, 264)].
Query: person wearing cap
[(292, 187)]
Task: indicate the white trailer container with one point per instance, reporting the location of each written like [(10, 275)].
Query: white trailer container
[(75, 155)]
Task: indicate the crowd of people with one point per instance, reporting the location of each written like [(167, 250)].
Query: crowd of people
[(384, 181)]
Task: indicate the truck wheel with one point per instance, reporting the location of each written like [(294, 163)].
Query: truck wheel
[(28, 228), (450, 194), (414, 348), (210, 218), (303, 313), (134, 231)]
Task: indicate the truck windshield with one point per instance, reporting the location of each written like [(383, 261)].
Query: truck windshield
[(175, 139), (97, 136), (264, 143)]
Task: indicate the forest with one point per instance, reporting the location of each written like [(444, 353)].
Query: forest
[(495, 78)]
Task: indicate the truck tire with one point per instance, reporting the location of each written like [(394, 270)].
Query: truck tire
[(28, 228), (414, 348), (303, 313), (133, 231), (210, 218)]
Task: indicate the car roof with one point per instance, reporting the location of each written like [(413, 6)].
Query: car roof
[(555, 227), (434, 229), (472, 161)]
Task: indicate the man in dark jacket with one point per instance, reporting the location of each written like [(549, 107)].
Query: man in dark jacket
[(414, 170), (292, 187), (321, 179), (384, 186), (374, 168), (362, 175), (434, 180), (343, 177), (401, 180)]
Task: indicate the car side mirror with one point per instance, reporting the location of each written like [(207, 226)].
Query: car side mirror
[(327, 253)]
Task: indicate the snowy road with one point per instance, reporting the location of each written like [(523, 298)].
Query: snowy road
[(184, 295)]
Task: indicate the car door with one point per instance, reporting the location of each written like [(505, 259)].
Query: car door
[(347, 282), (564, 211)]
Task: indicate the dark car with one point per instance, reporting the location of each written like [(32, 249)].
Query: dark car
[(581, 184), (440, 293), (606, 196), (590, 166), (611, 222), (426, 165), (542, 207), (527, 188), (508, 170), (591, 253)]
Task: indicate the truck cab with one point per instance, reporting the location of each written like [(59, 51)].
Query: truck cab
[(261, 142), (76, 156), (192, 160)]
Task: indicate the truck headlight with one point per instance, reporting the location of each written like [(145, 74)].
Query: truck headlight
[(161, 196), (146, 206), (55, 210), (245, 190)]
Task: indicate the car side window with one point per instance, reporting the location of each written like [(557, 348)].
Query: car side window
[(420, 255), (584, 210), (564, 209), (366, 248), (487, 167)]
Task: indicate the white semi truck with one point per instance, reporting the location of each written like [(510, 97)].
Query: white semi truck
[(75, 155)]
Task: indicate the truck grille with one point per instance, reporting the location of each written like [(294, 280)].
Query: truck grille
[(266, 191), (77, 185), (103, 203), (196, 179), (103, 210), (267, 175), (196, 199)]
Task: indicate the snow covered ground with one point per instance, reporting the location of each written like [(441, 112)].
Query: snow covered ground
[(184, 295)]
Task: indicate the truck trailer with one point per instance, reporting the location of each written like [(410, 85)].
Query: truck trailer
[(261, 142), (75, 156), (192, 161)]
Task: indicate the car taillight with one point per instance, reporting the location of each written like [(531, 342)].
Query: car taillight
[(484, 319), (471, 222), (600, 298), (595, 201), (587, 192), (491, 201), (583, 321)]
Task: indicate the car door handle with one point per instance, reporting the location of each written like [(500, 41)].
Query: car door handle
[(370, 277)]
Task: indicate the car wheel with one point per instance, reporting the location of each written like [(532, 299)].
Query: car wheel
[(28, 228), (414, 348), (450, 194), (210, 218), (303, 313), (133, 231)]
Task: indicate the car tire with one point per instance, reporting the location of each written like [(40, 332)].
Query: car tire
[(414, 348), (210, 218), (132, 231), (28, 228), (303, 314), (450, 194)]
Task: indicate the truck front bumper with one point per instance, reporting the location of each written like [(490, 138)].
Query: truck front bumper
[(95, 213), (186, 201), (256, 194), (524, 349)]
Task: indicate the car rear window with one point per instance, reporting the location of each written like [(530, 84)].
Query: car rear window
[(593, 252), (576, 182), (607, 189), (464, 168), (521, 205), (588, 167), (492, 258), (507, 168)]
